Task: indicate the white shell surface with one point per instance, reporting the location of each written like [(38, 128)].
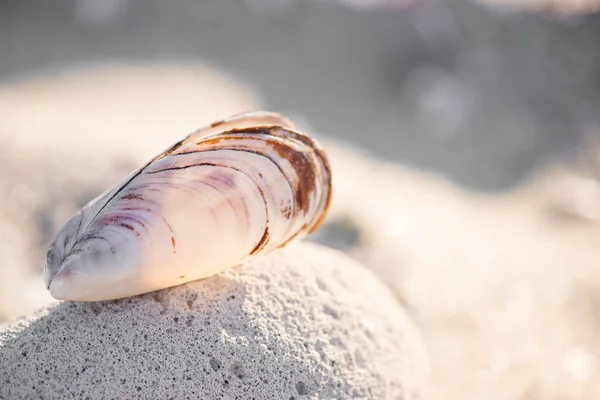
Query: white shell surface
[(239, 187)]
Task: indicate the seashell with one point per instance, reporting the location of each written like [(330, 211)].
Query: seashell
[(240, 187)]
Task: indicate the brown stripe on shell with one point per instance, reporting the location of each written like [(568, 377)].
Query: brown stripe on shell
[(215, 124), (132, 196), (306, 176), (325, 170), (282, 132), (301, 161), (172, 233), (264, 240), (131, 228), (167, 152)]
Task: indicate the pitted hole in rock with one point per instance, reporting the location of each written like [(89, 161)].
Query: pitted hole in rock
[(156, 297), (301, 388), (191, 300), (215, 364), (159, 298), (95, 308), (189, 320), (238, 370)]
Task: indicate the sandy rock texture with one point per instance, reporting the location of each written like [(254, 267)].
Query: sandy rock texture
[(305, 322)]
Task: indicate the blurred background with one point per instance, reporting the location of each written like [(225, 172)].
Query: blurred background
[(464, 137), (480, 93)]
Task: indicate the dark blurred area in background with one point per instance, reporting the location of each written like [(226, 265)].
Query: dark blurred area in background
[(476, 94)]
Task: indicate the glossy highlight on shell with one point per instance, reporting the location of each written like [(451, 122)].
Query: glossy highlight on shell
[(239, 187)]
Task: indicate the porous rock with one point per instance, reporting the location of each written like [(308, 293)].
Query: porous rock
[(304, 322)]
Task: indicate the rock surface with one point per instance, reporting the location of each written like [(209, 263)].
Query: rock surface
[(304, 322)]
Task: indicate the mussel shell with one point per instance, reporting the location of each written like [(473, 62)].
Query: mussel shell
[(235, 189)]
